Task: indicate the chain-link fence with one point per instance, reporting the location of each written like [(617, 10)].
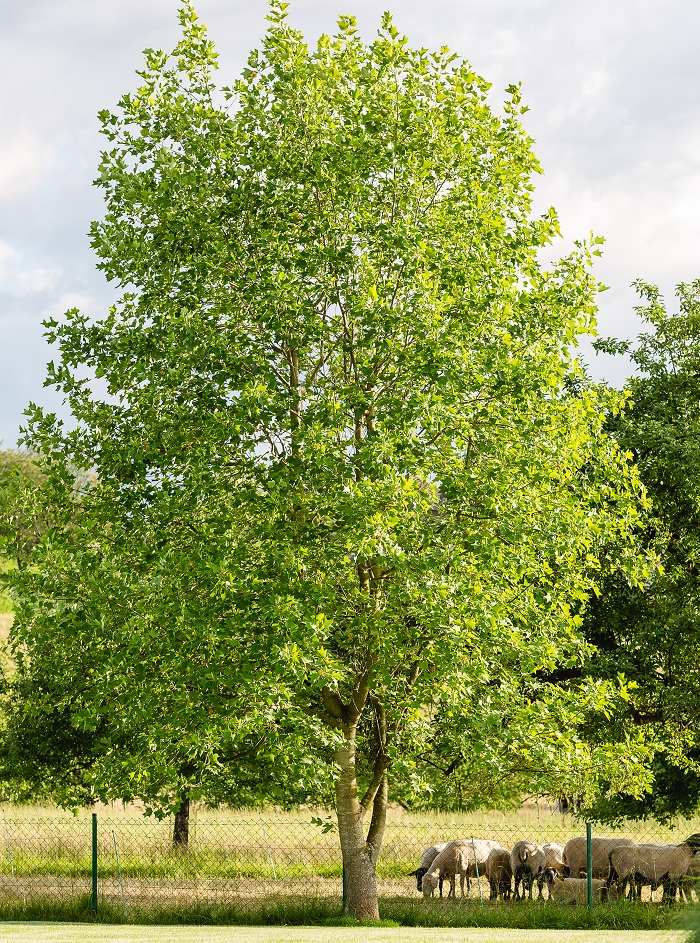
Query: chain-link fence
[(257, 859)]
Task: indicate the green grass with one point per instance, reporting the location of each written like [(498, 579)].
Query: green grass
[(81, 933), (315, 912)]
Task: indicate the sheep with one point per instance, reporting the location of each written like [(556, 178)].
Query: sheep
[(527, 862), (553, 864), (690, 881), (575, 857), (554, 856), (427, 858), (575, 890), (451, 861), (499, 873), (461, 857), (665, 865)]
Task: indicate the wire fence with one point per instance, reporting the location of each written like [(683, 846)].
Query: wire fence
[(131, 863)]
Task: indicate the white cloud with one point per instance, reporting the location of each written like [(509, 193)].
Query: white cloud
[(18, 278), (7, 254), (615, 116), (23, 161)]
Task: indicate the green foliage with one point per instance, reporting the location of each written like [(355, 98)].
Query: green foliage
[(651, 633), (345, 480), (20, 528), (6, 567)]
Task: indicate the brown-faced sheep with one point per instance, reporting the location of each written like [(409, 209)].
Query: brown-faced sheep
[(499, 874)]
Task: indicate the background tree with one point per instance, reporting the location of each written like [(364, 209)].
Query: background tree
[(21, 523), (48, 753), (342, 489), (652, 632)]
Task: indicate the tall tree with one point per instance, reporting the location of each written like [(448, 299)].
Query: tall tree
[(652, 632), (342, 488)]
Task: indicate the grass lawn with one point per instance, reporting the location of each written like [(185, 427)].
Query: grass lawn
[(86, 933)]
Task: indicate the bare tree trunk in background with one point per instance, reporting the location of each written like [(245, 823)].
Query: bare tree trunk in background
[(181, 829)]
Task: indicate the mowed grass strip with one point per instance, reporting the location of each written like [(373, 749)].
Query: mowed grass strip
[(95, 933)]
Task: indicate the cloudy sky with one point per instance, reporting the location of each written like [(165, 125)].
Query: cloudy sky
[(614, 88)]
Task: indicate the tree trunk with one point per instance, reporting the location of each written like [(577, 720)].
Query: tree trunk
[(181, 829), (359, 854)]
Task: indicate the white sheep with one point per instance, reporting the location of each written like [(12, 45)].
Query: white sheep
[(466, 858), (575, 856), (575, 890), (554, 856), (527, 861), (652, 864), (427, 858), (553, 864)]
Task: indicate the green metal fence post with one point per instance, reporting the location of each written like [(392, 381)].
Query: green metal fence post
[(94, 864), (589, 865)]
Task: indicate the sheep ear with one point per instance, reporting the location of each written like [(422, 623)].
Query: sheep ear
[(412, 874)]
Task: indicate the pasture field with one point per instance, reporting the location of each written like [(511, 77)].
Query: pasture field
[(272, 867), (81, 933), (536, 819), (271, 850)]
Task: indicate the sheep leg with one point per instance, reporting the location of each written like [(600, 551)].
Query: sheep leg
[(540, 882), (685, 890), (519, 884), (628, 884), (635, 886), (668, 895)]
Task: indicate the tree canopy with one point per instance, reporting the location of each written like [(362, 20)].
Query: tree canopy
[(652, 631), (347, 496)]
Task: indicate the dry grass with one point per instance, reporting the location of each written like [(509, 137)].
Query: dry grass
[(268, 845)]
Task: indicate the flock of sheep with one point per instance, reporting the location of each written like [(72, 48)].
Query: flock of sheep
[(620, 868)]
